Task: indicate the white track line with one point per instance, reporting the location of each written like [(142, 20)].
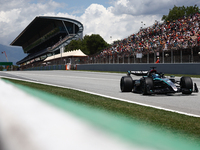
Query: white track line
[(22, 75), (106, 96)]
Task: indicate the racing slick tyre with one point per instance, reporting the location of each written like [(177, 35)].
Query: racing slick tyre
[(146, 86), (186, 85), (126, 84)]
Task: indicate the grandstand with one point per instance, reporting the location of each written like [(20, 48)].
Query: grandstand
[(46, 36), (177, 41)]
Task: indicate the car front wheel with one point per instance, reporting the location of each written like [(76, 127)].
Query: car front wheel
[(186, 85)]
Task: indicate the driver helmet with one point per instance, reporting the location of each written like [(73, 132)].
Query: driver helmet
[(155, 75)]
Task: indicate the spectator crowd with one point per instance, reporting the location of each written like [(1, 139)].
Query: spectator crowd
[(178, 34)]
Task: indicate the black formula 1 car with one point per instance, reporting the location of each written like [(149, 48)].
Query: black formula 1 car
[(153, 82)]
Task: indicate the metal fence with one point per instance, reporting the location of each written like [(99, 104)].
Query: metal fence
[(172, 55)]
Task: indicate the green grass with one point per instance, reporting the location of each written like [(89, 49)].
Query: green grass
[(173, 122)]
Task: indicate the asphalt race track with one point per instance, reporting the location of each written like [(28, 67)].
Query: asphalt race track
[(108, 84)]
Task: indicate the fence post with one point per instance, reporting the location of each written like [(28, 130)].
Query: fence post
[(163, 56), (181, 55), (191, 54), (118, 58), (172, 55)]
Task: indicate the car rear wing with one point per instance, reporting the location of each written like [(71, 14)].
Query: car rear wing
[(138, 73)]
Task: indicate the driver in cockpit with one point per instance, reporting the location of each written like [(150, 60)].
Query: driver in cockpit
[(155, 75)]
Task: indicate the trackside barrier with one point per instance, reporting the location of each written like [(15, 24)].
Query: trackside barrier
[(34, 120), (183, 68), (52, 67), (55, 67)]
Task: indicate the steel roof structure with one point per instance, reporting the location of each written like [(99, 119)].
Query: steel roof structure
[(46, 35)]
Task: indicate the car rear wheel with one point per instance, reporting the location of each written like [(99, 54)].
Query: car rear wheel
[(126, 84), (147, 86), (186, 85)]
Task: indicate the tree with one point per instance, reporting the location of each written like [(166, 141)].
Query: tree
[(192, 10), (89, 45), (74, 44), (1, 68), (15, 67), (95, 43), (179, 12)]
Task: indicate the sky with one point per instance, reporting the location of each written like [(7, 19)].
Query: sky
[(111, 19)]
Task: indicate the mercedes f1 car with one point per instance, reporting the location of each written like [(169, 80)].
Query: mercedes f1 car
[(153, 82)]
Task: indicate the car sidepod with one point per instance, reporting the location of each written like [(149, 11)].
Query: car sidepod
[(164, 85)]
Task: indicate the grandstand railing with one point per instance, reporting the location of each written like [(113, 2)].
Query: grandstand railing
[(172, 53)]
